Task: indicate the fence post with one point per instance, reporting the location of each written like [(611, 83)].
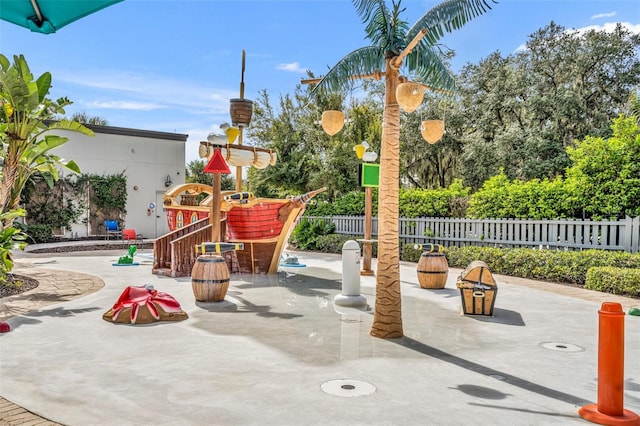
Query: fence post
[(635, 234)]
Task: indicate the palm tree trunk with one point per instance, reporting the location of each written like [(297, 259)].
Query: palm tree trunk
[(387, 319)]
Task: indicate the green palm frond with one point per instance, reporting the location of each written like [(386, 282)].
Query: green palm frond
[(375, 15), (363, 61), (445, 17), (635, 106), (428, 65), (384, 28)]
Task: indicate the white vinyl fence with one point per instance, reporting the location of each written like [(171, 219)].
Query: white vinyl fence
[(573, 234)]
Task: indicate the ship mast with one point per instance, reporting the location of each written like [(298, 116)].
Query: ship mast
[(239, 168)]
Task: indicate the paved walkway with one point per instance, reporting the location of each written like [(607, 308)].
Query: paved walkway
[(278, 352), (55, 287)]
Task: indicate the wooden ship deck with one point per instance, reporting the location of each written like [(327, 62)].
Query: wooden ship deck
[(262, 225)]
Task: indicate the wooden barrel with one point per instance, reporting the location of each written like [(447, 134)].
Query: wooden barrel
[(241, 110), (433, 270), (210, 278)]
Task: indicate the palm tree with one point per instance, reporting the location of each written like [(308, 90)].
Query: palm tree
[(396, 44)]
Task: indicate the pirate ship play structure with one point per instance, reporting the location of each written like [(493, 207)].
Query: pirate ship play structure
[(262, 225)]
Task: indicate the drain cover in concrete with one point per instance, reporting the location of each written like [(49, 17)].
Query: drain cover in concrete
[(561, 346), (497, 377), (347, 387)]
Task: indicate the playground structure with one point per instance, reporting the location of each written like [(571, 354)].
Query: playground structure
[(262, 225), (199, 213)]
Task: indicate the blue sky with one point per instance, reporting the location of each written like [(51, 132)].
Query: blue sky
[(172, 66)]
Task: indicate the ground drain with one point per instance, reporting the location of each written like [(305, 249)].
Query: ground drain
[(497, 377), (347, 387), (561, 346)]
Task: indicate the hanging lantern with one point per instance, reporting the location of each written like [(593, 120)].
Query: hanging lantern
[(241, 110), (332, 121), (409, 96), (432, 130)]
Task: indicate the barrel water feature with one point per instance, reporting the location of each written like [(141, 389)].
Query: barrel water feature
[(433, 268), (210, 278)]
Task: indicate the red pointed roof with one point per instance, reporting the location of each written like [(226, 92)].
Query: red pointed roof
[(217, 164)]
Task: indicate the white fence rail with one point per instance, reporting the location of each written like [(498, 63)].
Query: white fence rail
[(571, 234)]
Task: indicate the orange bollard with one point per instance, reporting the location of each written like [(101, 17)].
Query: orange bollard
[(610, 408)]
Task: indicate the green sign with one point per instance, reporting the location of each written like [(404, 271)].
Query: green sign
[(369, 174)]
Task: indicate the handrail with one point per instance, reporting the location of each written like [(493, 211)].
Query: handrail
[(163, 257)]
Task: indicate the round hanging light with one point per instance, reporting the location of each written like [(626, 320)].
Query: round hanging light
[(432, 130), (409, 96), (332, 121)]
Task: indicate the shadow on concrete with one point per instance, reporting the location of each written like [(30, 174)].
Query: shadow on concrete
[(487, 371), (247, 307), (524, 410), (481, 392), (60, 312), (501, 316)]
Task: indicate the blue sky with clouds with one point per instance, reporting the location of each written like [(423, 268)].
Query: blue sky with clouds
[(169, 65)]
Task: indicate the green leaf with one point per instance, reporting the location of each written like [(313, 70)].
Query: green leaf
[(44, 85), (72, 126), (72, 165)]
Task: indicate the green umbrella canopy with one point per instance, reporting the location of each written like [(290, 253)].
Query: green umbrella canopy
[(48, 16)]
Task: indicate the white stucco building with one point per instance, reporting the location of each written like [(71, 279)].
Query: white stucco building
[(151, 161)]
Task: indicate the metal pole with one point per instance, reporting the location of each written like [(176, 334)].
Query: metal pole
[(367, 244)]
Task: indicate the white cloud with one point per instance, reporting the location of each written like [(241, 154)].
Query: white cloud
[(604, 15), (521, 48), (149, 89), (609, 27), (137, 106), (292, 67)]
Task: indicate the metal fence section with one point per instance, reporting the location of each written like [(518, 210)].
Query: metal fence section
[(570, 234)]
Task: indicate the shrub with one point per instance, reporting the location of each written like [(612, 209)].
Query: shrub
[(535, 199), (442, 202), (551, 265), (305, 234), (350, 204), (410, 254), (39, 233), (609, 279), (333, 243)]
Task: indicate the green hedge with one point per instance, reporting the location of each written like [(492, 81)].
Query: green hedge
[(550, 265), (412, 202), (608, 271), (609, 279)]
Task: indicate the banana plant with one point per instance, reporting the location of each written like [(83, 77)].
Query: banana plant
[(11, 238), (27, 119)]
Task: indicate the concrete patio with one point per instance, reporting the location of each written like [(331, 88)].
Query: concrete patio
[(277, 351)]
